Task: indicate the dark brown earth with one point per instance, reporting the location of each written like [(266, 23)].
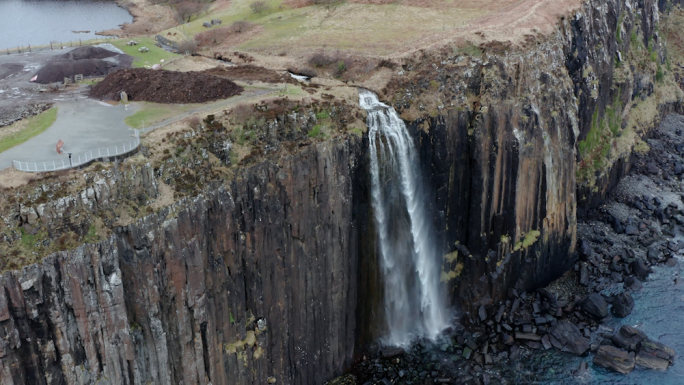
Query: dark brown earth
[(161, 86), (87, 52), (58, 69), (251, 72)]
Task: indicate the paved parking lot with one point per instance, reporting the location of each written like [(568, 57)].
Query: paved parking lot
[(83, 125)]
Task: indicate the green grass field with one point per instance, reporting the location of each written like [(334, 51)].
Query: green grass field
[(155, 55), (34, 126), (152, 113)]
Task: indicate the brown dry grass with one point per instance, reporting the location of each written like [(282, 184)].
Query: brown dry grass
[(147, 19), (192, 63), (11, 178)]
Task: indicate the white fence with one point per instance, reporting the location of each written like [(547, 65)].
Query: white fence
[(78, 160)]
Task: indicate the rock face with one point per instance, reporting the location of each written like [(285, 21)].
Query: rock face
[(234, 287)]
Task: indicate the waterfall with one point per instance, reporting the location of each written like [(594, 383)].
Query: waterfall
[(413, 301)]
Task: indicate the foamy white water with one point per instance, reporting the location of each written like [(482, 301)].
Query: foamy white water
[(413, 297)]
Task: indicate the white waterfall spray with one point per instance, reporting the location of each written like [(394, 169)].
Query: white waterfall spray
[(413, 300)]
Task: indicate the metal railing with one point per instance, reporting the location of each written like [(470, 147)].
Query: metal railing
[(78, 160)]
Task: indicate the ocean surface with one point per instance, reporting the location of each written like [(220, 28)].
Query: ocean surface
[(38, 22)]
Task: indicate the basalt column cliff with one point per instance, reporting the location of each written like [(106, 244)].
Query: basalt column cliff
[(266, 270)]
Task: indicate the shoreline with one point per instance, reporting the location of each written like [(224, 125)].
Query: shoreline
[(77, 31)]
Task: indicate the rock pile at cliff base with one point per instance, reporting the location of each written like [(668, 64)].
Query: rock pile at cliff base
[(161, 86)]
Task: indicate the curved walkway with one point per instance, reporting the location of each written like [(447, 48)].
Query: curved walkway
[(82, 125), (86, 125)]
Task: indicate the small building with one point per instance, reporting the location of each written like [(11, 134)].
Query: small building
[(216, 22)]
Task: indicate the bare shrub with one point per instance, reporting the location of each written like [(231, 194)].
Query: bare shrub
[(387, 64), (320, 59), (187, 47), (240, 26), (140, 28), (259, 6), (242, 112), (186, 10), (194, 122)]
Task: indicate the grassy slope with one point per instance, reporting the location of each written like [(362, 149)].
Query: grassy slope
[(152, 113), (378, 29), (27, 129), (155, 55)]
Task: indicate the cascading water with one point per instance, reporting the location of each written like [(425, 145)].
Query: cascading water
[(413, 299)]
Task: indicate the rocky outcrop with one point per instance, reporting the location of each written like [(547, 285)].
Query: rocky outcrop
[(253, 283)]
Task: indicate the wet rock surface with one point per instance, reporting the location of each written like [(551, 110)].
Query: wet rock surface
[(614, 358)]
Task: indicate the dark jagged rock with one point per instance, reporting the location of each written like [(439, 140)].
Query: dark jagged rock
[(628, 338), (654, 253), (615, 359), (623, 304), (631, 230), (482, 313), (527, 336), (584, 249), (633, 283), (595, 305), (566, 336), (391, 352), (584, 275), (640, 269)]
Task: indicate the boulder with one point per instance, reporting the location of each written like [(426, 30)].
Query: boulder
[(595, 306), (654, 253), (640, 269), (527, 336), (567, 337), (615, 359), (654, 355), (585, 249), (392, 352), (482, 313), (633, 283), (623, 304), (631, 230), (628, 338), (584, 275)]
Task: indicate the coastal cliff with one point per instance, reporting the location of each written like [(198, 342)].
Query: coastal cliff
[(249, 284), (268, 273)]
